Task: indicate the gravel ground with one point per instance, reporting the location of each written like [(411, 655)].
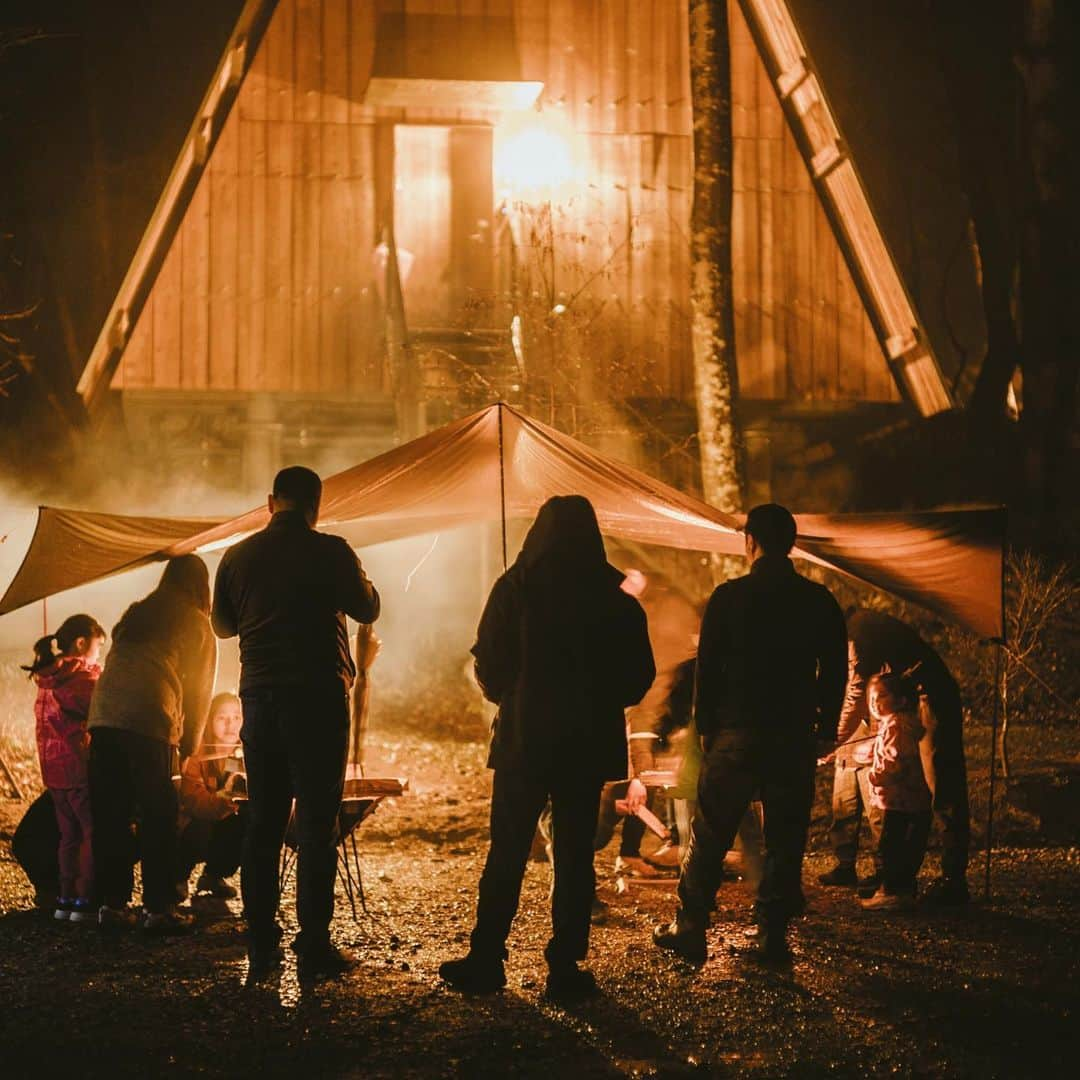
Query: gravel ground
[(988, 992)]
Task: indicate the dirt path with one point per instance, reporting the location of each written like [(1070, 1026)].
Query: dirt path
[(992, 992)]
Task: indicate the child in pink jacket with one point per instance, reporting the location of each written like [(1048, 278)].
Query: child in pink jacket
[(898, 787), (65, 681)]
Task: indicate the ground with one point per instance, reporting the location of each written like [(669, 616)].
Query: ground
[(991, 991)]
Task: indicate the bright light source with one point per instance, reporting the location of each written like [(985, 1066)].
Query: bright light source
[(534, 157)]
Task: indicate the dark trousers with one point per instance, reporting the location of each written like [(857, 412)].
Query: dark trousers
[(903, 845), (516, 802), (734, 768), (295, 740), (850, 804), (633, 828), (216, 843), (948, 776), (131, 778)]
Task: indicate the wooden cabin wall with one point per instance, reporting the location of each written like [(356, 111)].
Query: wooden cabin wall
[(801, 332), (270, 286)]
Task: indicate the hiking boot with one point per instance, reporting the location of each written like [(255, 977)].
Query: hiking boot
[(63, 908), (262, 960), (946, 892), (82, 911), (112, 919), (473, 974), (770, 946), (600, 909), (869, 885), (167, 923), (666, 857), (841, 876), (887, 901), (635, 866), (686, 941), (324, 962), (567, 983), (216, 887)]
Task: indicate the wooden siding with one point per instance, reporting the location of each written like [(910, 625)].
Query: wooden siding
[(270, 282)]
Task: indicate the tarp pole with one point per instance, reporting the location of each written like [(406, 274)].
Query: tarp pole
[(993, 762), (502, 486)]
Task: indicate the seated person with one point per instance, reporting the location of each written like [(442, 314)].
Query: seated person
[(211, 829), (673, 625)]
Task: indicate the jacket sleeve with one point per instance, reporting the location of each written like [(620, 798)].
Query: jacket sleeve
[(832, 667), (711, 667), (498, 641), (223, 617), (74, 695), (356, 595), (639, 667), (854, 711), (199, 668), (196, 798)]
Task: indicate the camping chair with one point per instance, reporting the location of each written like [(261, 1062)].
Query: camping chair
[(362, 796)]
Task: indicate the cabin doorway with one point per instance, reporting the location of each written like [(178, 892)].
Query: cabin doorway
[(443, 209)]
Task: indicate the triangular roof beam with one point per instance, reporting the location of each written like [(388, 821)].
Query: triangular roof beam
[(843, 195), (171, 206)]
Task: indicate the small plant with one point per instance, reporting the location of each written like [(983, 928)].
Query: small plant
[(1041, 604)]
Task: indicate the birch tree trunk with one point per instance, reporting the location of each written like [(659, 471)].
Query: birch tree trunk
[(712, 328)]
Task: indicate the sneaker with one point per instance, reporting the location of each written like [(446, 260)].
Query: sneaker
[(83, 911), (568, 983), (324, 962), (841, 876), (117, 918), (886, 901), (63, 909), (666, 857), (946, 892), (687, 942), (473, 974), (216, 887), (635, 866), (167, 923)]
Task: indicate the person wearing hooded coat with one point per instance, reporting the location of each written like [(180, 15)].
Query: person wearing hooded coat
[(148, 709), (562, 651)]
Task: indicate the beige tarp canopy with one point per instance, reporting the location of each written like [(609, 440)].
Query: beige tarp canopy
[(498, 464)]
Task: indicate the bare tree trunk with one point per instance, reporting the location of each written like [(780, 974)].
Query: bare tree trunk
[(1003, 733), (712, 326)]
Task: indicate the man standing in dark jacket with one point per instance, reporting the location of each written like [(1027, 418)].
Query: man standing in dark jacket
[(286, 592), (879, 641), (772, 665)]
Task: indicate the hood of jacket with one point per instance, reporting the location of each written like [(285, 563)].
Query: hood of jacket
[(63, 671)]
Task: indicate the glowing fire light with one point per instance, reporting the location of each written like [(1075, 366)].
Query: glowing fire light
[(534, 157)]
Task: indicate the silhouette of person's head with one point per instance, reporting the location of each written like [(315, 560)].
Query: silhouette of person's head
[(298, 489), (565, 530), (770, 530)]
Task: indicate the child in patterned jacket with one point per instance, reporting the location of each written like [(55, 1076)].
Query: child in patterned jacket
[(898, 787)]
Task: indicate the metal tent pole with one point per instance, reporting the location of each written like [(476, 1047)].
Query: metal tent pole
[(993, 771), (502, 485)]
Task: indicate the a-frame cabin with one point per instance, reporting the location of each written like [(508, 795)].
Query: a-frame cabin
[(385, 209)]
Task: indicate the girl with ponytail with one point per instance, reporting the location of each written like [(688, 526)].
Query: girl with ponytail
[(65, 669)]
